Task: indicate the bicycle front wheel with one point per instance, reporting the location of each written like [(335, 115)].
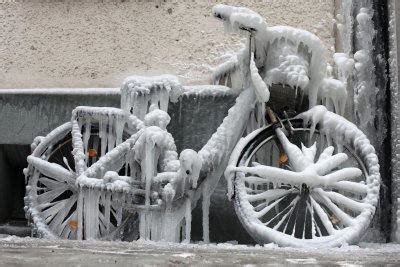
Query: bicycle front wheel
[(305, 213)]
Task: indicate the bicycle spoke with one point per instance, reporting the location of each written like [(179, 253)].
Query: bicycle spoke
[(66, 227), (52, 184), (50, 195), (351, 187), (324, 166), (52, 170), (269, 207), (49, 213), (268, 195), (343, 217), (291, 207), (323, 216), (344, 201), (255, 180), (342, 174), (61, 215)]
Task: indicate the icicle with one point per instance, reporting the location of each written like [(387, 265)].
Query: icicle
[(103, 125), (86, 135), (145, 91), (111, 137), (164, 100), (91, 209), (188, 220), (206, 211), (119, 129), (107, 211), (79, 211)]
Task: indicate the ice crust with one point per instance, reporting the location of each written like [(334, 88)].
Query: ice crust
[(366, 92), (333, 95), (237, 18), (395, 127)]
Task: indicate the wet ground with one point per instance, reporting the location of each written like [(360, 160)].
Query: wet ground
[(15, 251)]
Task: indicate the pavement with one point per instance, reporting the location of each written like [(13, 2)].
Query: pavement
[(16, 251)]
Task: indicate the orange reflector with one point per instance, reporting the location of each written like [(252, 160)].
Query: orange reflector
[(334, 219), (92, 152), (283, 158), (73, 224)]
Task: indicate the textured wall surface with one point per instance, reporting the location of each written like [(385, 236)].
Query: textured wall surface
[(69, 43)]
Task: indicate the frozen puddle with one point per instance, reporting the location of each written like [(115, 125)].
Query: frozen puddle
[(17, 251), (184, 255), (302, 261)]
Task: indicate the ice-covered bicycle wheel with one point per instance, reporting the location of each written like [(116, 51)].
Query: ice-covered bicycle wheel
[(333, 209), (52, 193)]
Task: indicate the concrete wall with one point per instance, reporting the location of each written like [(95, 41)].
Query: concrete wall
[(69, 43), (28, 113)]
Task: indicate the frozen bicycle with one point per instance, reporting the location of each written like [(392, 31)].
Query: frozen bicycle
[(115, 174), (310, 178)]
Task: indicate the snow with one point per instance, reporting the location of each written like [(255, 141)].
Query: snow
[(31, 251)]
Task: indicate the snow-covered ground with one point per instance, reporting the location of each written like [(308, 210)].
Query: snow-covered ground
[(17, 251)]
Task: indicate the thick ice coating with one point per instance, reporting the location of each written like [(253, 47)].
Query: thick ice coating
[(126, 163), (239, 18), (282, 55)]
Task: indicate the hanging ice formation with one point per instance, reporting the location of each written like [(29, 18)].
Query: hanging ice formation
[(282, 55), (395, 127)]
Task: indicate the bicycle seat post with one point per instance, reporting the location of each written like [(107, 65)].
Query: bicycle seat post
[(270, 114)]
